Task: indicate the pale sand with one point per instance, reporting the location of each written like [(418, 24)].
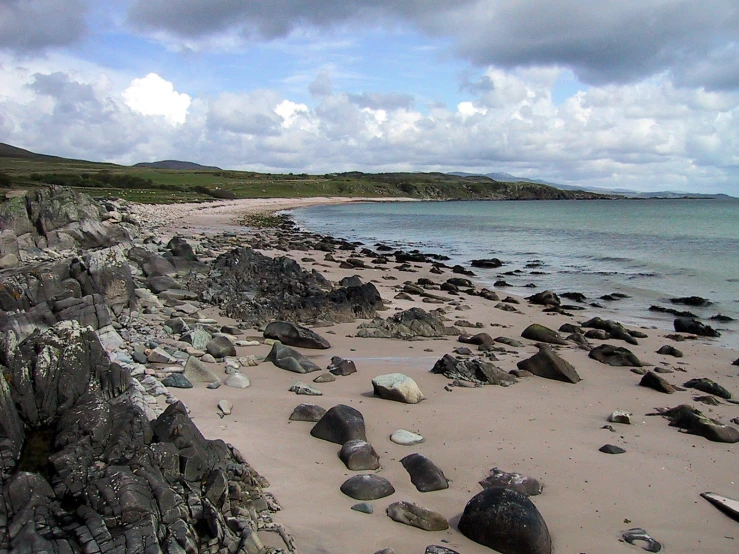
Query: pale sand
[(542, 428)]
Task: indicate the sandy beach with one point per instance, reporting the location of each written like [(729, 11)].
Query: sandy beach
[(545, 429)]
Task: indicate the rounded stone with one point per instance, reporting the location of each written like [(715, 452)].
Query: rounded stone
[(367, 487), (406, 438)]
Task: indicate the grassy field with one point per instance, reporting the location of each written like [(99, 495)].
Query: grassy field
[(21, 169)]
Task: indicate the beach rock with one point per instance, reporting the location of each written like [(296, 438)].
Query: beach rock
[(614, 356), (509, 342), (436, 549), (637, 536), (545, 298), (620, 416), (696, 301), (197, 372), (364, 507), (325, 377), (540, 333), (367, 487), (352, 281), (549, 365), (695, 422), (512, 481), (478, 339), (220, 347), (506, 521), (668, 350), (735, 362), (614, 329), (342, 367), (611, 449), (307, 412), (304, 389), (340, 424), (689, 325), (225, 406), (181, 248), (177, 381), (160, 356), (398, 387), (488, 263), (706, 385), (406, 325), (286, 358), (295, 335), (425, 475), (197, 337), (237, 381), (653, 381), (406, 438), (417, 516), (474, 370), (359, 455)]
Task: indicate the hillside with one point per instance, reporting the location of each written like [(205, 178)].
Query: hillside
[(178, 165), (189, 182)]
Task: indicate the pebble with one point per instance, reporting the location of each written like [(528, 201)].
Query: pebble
[(302, 388), (364, 507), (620, 416), (237, 381), (225, 406), (247, 343), (406, 438)]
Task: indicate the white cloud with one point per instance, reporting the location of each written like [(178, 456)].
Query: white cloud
[(152, 95)]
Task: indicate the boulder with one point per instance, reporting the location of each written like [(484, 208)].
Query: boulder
[(506, 521), (359, 455), (237, 381), (304, 389), (668, 350), (406, 438), (695, 422), (706, 385), (473, 370), (398, 387), (611, 449), (407, 325), (367, 487), (540, 333), (177, 381), (549, 365), (342, 367), (653, 381), (286, 358), (696, 301), (417, 516), (295, 335), (307, 412), (545, 298), (180, 248), (694, 327), (220, 347), (513, 481), (198, 337), (425, 475), (478, 339), (614, 356), (340, 424), (613, 329), (197, 372)]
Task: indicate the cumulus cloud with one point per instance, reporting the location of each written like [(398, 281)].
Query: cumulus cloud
[(601, 42), (33, 25), (322, 85), (152, 95)]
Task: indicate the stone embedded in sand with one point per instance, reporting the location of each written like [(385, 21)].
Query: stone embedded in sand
[(693, 421), (513, 481), (220, 347), (359, 455), (342, 367), (325, 377), (225, 406), (436, 549), (307, 412), (706, 385), (474, 370), (613, 330), (417, 516), (406, 325), (425, 475), (540, 333), (653, 381), (638, 536), (549, 365), (364, 507), (304, 389), (406, 438), (545, 298), (237, 381), (367, 487), (478, 339), (614, 356), (177, 381), (295, 335), (286, 358), (620, 416), (506, 521), (398, 387), (611, 449), (694, 327), (340, 424), (668, 350)]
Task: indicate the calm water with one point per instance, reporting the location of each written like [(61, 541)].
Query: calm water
[(651, 250)]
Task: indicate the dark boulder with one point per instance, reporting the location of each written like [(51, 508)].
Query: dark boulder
[(340, 424), (611, 449), (307, 412), (367, 487), (487, 263), (614, 356), (693, 327), (653, 381), (668, 350), (177, 381), (295, 335), (513, 481), (545, 298), (425, 475), (546, 363), (540, 333), (353, 281), (407, 325), (506, 521), (614, 329), (220, 347), (695, 422), (695, 301), (286, 358), (359, 455), (706, 385), (160, 283), (478, 339), (473, 370), (181, 248), (340, 366)]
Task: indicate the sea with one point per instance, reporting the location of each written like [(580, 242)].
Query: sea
[(650, 250)]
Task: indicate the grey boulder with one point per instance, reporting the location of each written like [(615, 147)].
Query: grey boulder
[(359, 455), (288, 359), (340, 424), (295, 335), (220, 347), (398, 387), (540, 333), (425, 475), (546, 363), (367, 487)]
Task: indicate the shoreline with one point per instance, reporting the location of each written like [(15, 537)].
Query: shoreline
[(542, 428)]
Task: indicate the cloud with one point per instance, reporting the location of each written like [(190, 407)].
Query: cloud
[(247, 113), (601, 42), (322, 85), (32, 25), (382, 101), (153, 95)]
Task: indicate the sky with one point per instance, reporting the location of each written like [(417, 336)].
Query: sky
[(636, 94)]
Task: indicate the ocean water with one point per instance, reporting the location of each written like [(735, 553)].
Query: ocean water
[(650, 250)]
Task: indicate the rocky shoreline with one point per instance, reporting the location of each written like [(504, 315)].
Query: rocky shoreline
[(119, 320)]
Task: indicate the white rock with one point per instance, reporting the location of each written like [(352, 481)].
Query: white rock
[(406, 438), (247, 343), (302, 388), (398, 387), (237, 381), (225, 406), (620, 416)]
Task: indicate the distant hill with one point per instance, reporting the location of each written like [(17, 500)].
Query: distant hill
[(178, 165), (9, 151)]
